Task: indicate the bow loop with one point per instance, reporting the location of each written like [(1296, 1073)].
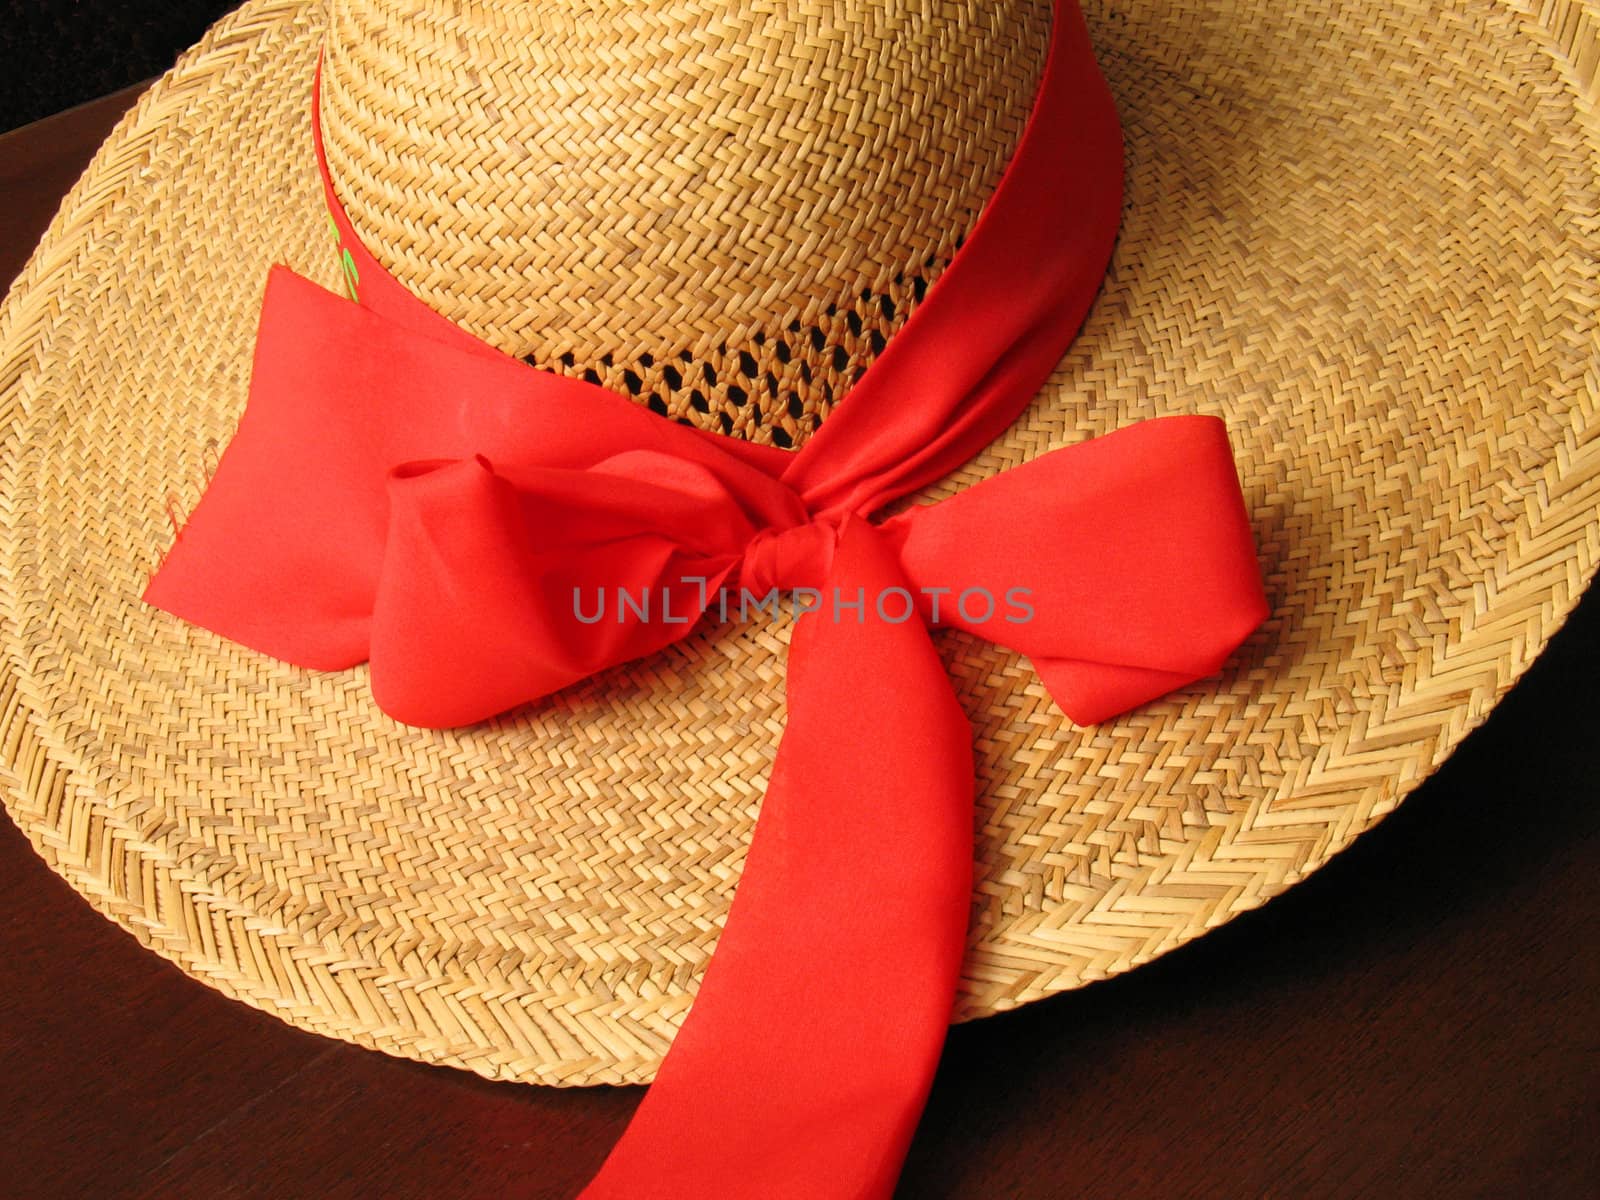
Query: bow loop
[(1123, 567), (500, 585)]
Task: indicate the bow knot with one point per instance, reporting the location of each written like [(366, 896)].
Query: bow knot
[(789, 558)]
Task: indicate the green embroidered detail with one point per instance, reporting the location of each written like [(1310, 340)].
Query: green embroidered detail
[(351, 276), (347, 263)]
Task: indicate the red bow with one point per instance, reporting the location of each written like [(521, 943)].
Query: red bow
[(486, 534)]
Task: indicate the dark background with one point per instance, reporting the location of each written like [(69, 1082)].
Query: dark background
[(57, 53)]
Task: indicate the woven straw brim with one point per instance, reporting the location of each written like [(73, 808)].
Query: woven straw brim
[(1368, 241)]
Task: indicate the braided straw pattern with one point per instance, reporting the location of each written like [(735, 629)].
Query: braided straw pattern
[(1369, 242), (724, 210)]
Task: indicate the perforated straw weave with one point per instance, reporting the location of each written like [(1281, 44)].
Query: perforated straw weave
[(1367, 239)]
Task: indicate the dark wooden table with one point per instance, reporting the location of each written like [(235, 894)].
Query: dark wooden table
[(1420, 1019)]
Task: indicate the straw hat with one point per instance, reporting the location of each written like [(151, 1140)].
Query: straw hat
[(1366, 239)]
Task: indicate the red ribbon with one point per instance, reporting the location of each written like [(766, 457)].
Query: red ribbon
[(401, 493)]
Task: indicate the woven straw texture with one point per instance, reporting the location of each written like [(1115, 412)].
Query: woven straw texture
[(1368, 241), (722, 209)]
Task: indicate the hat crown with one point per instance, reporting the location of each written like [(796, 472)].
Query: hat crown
[(723, 210)]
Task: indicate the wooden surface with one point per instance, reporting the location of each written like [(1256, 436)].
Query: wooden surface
[(1421, 1019)]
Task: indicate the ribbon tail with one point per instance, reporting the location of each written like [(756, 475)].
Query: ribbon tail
[(804, 1063)]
